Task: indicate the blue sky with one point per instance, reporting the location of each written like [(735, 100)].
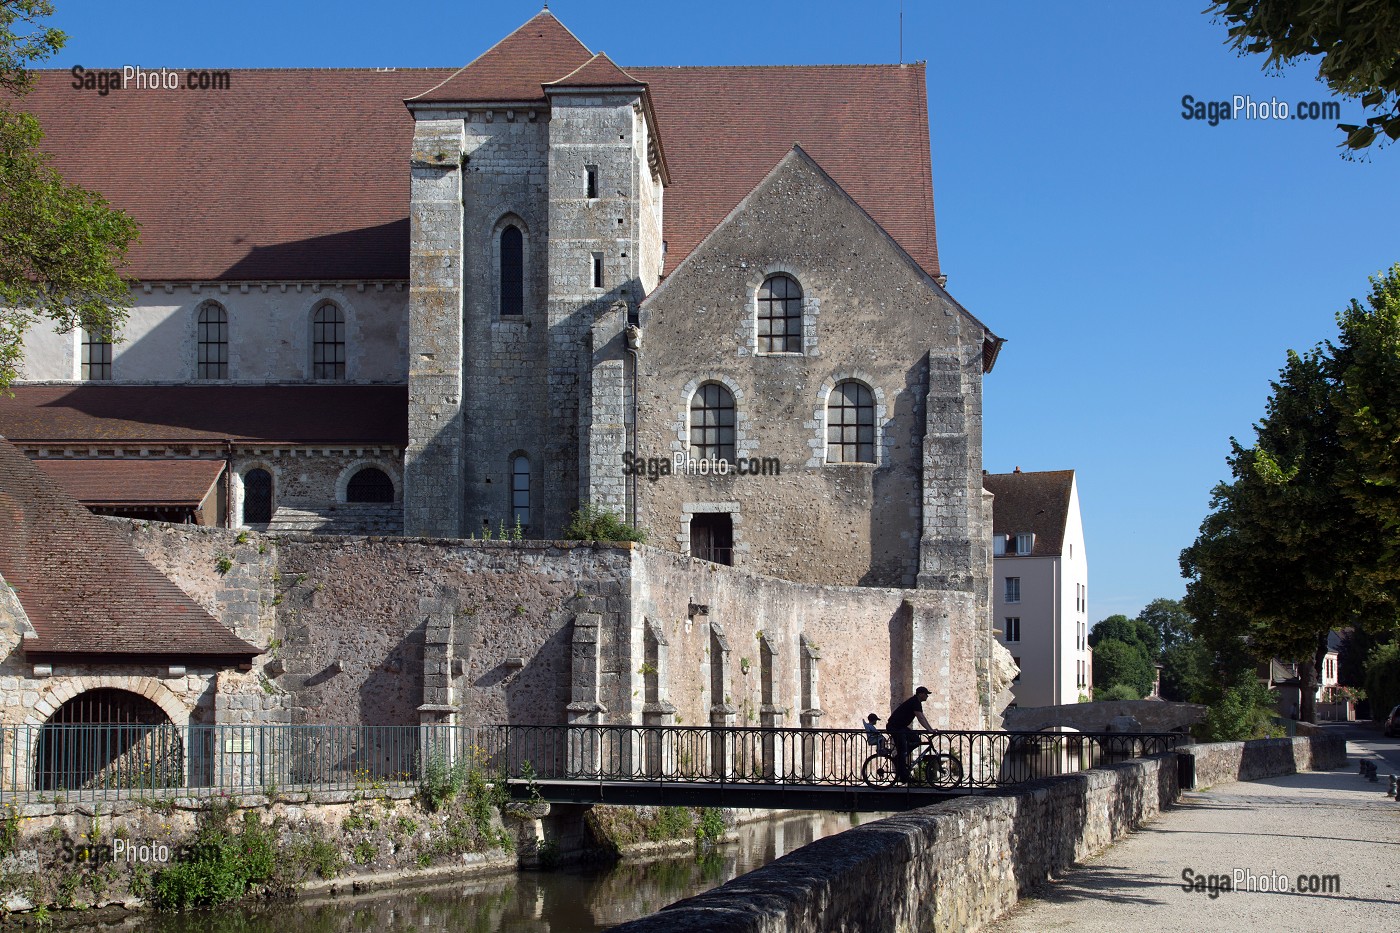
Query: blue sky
[(1148, 272)]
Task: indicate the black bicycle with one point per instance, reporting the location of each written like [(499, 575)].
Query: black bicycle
[(926, 767)]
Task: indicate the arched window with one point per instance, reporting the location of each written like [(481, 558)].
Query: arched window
[(850, 424), (108, 738), (712, 423), (328, 342), (212, 361), (370, 485), (257, 497), (512, 272), (780, 315), (97, 356), (520, 490)]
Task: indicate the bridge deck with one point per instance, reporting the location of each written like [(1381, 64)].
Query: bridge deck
[(775, 796)]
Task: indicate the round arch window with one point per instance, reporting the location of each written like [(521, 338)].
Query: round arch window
[(370, 485)]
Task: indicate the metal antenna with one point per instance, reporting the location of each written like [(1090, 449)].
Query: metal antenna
[(901, 32)]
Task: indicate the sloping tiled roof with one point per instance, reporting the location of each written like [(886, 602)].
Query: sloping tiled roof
[(179, 483), (303, 174), (1034, 502), (85, 590), (287, 174), (513, 69), (307, 415), (726, 127), (598, 71)]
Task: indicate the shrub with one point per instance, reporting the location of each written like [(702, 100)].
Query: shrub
[(594, 524), (1383, 678), (1117, 692), (1244, 711)]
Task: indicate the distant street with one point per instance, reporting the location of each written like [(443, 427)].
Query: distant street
[(1315, 824)]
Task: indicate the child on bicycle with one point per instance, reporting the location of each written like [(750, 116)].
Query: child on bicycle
[(873, 736)]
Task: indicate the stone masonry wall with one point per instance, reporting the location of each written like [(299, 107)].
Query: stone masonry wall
[(1222, 762)]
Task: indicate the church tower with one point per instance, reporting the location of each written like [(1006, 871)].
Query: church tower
[(537, 181)]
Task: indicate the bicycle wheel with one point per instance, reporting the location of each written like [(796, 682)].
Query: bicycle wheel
[(947, 770), (878, 770)]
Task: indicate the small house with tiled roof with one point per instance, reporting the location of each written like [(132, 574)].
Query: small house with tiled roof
[(1040, 590), (441, 301)]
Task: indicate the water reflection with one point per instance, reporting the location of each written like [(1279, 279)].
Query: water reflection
[(569, 900)]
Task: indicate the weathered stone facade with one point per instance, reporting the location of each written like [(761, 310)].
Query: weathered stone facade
[(403, 630)]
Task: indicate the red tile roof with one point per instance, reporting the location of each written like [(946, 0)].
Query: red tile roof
[(514, 68), (1032, 502), (287, 174), (306, 415), (88, 592), (598, 71), (302, 174), (175, 483)]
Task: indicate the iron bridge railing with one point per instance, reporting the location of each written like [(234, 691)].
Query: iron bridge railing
[(93, 761)]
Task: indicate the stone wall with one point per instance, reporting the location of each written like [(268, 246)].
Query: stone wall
[(962, 864), (368, 630), (1222, 762), (953, 866)]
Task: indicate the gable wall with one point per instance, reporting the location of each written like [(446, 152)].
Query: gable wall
[(869, 314)]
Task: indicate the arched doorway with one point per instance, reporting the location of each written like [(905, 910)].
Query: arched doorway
[(109, 739), (257, 497)]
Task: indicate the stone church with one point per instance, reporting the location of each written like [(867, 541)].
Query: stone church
[(455, 304)]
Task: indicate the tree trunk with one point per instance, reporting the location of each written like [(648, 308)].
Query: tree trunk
[(1309, 675)]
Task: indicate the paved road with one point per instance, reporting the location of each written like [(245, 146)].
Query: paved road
[(1317, 823)]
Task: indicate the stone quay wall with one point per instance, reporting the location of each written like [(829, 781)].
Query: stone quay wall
[(1222, 762), (962, 864)]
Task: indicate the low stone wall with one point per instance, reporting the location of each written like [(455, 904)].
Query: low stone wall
[(1221, 762), (953, 866), (962, 864)]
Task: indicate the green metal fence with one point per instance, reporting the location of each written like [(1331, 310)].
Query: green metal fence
[(83, 762)]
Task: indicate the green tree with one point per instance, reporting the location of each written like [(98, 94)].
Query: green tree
[(1120, 663), (1358, 42), (1186, 671), (1285, 555), (1121, 628), (1169, 619), (1368, 410), (60, 245), (1383, 679)]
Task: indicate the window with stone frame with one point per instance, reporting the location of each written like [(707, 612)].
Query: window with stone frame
[(520, 490), (211, 361), (97, 356), (328, 342), (712, 423), (780, 315), (512, 272), (850, 423)]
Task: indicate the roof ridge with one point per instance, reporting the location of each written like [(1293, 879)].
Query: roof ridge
[(541, 15)]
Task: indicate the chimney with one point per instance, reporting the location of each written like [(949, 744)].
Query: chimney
[(1017, 470)]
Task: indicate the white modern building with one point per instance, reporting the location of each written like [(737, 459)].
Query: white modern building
[(1041, 589)]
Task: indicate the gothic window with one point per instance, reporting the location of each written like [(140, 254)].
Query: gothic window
[(97, 356), (257, 497), (512, 272), (370, 485), (328, 342), (780, 315), (712, 423), (520, 490), (212, 359), (850, 424)]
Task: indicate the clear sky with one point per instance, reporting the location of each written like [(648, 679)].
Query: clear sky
[(1148, 272)]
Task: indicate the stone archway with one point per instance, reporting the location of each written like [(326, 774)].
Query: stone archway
[(94, 733)]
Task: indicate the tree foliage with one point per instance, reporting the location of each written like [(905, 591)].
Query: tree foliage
[(1357, 43), (1289, 550), (1383, 679), (1169, 619), (1132, 631), (1121, 663), (60, 245)]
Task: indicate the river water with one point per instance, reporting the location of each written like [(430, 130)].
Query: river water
[(577, 899)]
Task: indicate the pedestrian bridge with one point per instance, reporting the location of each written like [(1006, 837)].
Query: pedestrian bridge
[(810, 769)]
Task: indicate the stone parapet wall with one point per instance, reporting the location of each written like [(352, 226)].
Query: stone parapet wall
[(1222, 762), (953, 866)]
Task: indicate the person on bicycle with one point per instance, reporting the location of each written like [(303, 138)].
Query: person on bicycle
[(872, 733), (906, 738)]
